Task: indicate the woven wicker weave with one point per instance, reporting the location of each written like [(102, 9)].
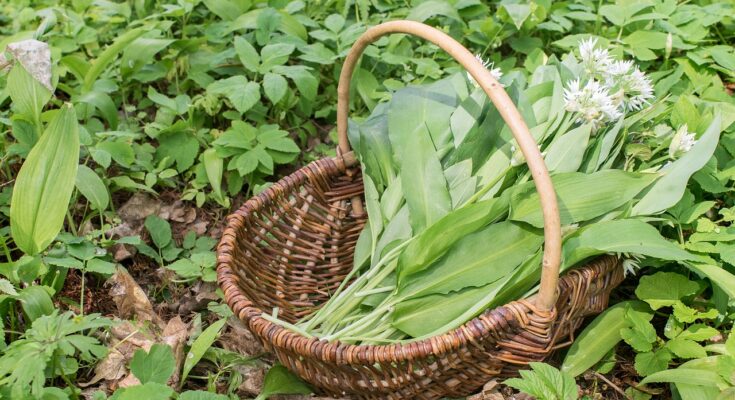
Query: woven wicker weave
[(292, 245)]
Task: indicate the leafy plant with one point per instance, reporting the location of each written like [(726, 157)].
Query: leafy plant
[(545, 382), (50, 349)]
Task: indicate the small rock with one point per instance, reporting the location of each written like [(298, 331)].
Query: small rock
[(122, 252), (200, 227), (138, 207), (252, 378)]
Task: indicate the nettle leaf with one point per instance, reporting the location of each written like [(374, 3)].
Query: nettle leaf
[(275, 87), (180, 146), (653, 361), (545, 382), (665, 289), (238, 90), (45, 183), (156, 366), (640, 333), (159, 229), (685, 348)]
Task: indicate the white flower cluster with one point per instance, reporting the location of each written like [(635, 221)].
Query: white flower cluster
[(612, 87), (495, 72), (682, 142)]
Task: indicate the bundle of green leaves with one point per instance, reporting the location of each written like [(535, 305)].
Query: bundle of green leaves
[(455, 225)]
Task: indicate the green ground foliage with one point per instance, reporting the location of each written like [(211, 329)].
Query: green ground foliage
[(139, 125)]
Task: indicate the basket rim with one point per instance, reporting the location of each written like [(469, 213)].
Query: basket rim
[(335, 351)]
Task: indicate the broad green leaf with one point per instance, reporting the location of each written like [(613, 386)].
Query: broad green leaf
[(200, 346), (239, 91), (620, 236), (247, 54), (45, 183), (438, 313), (581, 197), (103, 103), (213, 166), (279, 380), (35, 301), (29, 96), (274, 54), (159, 229), (435, 240), (664, 289), (689, 376), (119, 151), (228, 10), (475, 260), (91, 186), (518, 13), (599, 337), (417, 116), (100, 266), (139, 52), (275, 87), (717, 275), (304, 80), (148, 391), (668, 190), (201, 395), (180, 146), (108, 56), (156, 366), (566, 152)]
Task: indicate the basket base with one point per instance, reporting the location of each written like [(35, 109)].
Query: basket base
[(518, 334)]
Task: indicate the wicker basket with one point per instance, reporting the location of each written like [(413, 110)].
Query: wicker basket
[(292, 245)]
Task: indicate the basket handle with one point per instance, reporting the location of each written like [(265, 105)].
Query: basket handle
[(552, 229)]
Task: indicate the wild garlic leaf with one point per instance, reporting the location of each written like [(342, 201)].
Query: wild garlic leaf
[(668, 190), (45, 184), (600, 336), (581, 197), (620, 236), (430, 244), (475, 260), (565, 154)]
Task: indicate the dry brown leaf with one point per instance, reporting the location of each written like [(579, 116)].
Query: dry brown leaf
[(130, 299), (174, 335)]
